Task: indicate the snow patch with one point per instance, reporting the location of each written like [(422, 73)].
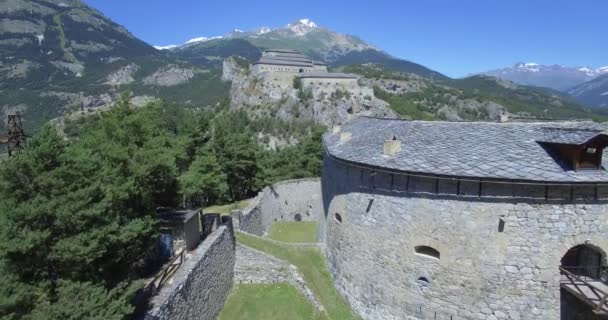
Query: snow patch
[(171, 46), (202, 39), (308, 22), (263, 30), (40, 38)]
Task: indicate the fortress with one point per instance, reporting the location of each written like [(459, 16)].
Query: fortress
[(440, 220), (282, 66)]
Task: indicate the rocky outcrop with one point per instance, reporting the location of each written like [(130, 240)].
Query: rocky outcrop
[(274, 94), (123, 75), (170, 75)]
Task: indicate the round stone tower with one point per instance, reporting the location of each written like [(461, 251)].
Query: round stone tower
[(440, 220)]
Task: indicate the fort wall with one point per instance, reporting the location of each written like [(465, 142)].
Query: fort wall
[(291, 200), (200, 287), (498, 245)]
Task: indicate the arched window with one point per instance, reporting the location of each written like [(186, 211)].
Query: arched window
[(338, 217), (427, 252), (297, 217)]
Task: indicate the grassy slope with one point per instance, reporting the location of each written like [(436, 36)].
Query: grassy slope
[(226, 208), (267, 302), (311, 263), (295, 232)]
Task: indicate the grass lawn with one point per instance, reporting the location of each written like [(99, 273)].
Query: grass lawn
[(311, 263), (225, 209), (267, 302), (294, 232)]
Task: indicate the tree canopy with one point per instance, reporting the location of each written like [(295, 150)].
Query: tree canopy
[(78, 223)]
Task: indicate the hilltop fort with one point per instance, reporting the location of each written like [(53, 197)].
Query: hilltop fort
[(291, 85)]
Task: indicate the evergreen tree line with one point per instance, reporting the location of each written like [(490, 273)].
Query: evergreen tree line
[(78, 222)]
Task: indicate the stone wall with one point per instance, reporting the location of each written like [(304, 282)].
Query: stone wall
[(323, 88), (283, 201), (483, 271), (199, 289)]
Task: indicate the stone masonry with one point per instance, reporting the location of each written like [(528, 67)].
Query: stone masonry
[(292, 200), (253, 266), (200, 287), (482, 273)]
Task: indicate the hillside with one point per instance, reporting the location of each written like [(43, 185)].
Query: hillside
[(593, 93), (472, 98), (64, 58), (59, 56)]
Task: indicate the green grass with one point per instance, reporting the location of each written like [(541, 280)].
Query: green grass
[(267, 302), (294, 232), (226, 208), (311, 264)]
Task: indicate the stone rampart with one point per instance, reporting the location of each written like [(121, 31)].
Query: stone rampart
[(199, 289), (417, 247), (292, 200)]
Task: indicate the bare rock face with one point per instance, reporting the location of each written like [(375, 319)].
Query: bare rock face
[(170, 75), (18, 70), (8, 109), (230, 69), (123, 75), (274, 94)]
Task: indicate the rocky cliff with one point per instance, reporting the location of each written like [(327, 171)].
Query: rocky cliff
[(276, 95)]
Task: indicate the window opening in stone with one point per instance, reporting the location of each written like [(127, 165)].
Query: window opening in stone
[(338, 217), (501, 225), (427, 251), (423, 281), (298, 217)]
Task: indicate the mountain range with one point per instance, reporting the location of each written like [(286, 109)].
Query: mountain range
[(61, 56), (570, 80)]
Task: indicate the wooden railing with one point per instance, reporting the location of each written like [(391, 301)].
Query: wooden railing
[(161, 278), (585, 289)]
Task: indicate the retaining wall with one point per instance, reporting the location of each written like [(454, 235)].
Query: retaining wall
[(283, 201), (199, 289)]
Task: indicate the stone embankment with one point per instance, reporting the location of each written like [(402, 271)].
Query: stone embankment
[(253, 266), (199, 289)]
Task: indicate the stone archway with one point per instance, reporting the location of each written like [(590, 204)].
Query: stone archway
[(584, 260), (583, 268)]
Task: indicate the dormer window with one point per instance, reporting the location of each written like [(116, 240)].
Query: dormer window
[(580, 149)]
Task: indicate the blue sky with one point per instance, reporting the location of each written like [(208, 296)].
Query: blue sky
[(455, 37)]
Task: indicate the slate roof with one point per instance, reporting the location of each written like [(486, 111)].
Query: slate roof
[(568, 135), (467, 149), (285, 62)]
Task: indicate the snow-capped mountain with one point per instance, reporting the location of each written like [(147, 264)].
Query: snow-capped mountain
[(552, 76), (302, 26), (303, 29)]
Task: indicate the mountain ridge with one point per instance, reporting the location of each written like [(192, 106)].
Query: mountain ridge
[(553, 76)]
